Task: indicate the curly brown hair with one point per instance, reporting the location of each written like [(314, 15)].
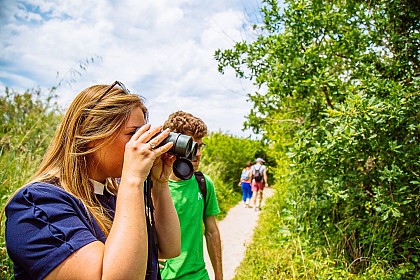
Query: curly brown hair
[(186, 123)]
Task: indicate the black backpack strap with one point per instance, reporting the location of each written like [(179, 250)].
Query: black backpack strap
[(203, 188)]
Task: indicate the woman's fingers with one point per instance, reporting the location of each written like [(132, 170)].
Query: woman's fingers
[(156, 140), (153, 137), (140, 131)]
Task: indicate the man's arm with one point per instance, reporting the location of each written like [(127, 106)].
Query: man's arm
[(265, 177), (214, 246)]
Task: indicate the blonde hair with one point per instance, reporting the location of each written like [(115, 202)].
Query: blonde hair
[(186, 123), (94, 116)]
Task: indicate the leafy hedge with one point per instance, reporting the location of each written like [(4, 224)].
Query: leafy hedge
[(358, 171), (224, 158), (341, 102), (348, 207)]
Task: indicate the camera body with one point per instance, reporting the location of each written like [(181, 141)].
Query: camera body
[(183, 147), (185, 150)]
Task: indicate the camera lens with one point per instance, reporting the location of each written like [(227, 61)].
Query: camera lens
[(193, 153), (185, 149), (183, 146), (183, 168)]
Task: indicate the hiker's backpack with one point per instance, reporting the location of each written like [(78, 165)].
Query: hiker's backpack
[(203, 188), (245, 174), (258, 176)]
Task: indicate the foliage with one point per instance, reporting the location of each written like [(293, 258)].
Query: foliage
[(28, 121), (24, 135), (342, 101), (223, 159), (228, 155), (362, 188), (279, 251), (317, 51)]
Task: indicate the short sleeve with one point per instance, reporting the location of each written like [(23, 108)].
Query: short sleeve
[(212, 204), (264, 168), (45, 225)]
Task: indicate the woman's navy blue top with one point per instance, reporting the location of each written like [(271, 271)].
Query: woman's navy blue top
[(45, 224)]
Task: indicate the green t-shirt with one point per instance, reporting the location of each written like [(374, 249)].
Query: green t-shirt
[(189, 205)]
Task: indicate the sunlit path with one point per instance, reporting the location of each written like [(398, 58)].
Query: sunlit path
[(236, 232)]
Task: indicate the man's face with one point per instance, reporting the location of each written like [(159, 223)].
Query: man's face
[(196, 160)]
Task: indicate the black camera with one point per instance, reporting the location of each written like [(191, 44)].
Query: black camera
[(183, 147), (185, 150)]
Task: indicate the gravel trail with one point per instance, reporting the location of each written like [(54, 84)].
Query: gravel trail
[(236, 231)]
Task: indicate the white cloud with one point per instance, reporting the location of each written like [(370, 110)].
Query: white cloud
[(163, 49)]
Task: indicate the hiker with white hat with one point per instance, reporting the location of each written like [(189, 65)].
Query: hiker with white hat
[(259, 181)]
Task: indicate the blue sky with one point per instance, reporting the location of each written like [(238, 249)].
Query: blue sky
[(163, 50)]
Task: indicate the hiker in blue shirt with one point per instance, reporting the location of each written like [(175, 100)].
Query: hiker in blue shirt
[(85, 213), (245, 184)]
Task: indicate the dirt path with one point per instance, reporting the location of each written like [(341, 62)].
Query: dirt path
[(236, 232)]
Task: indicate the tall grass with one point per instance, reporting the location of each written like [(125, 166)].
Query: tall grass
[(284, 247), (279, 251), (28, 121)]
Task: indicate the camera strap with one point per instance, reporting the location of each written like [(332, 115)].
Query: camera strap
[(152, 272)]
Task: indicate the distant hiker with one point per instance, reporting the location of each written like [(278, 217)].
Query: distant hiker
[(259, 181), (245, 183), (193, 208)]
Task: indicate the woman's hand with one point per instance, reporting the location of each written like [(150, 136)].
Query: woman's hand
[(162, 168), (142, 153)]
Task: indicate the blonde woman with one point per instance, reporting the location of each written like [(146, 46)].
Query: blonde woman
[(83, 215)]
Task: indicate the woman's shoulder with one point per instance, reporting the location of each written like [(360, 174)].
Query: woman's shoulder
[(40, 193), (42, 188)]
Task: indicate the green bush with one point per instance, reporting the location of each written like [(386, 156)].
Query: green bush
[(358, 172), (341, 97), (223, 159), (28, 121)]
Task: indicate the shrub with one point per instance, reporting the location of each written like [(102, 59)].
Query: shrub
[(28, 121), (359, 181), (223, 159)]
